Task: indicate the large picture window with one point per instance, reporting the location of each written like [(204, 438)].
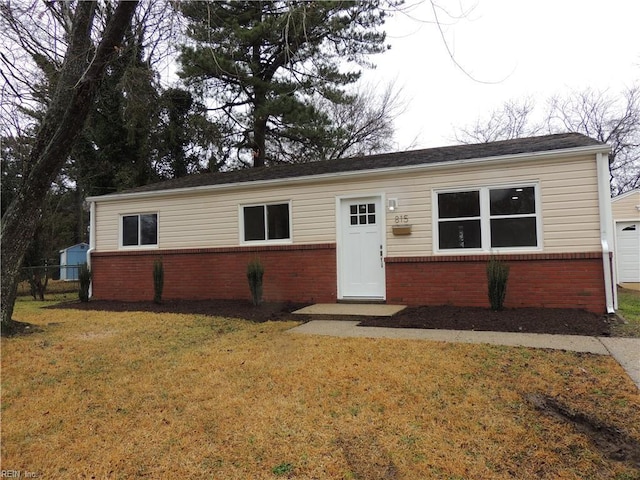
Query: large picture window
[(140, 229), (268, 222), (513, 217), (487, 218), (459, 225)]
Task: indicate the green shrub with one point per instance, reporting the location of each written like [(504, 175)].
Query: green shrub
[(497, 276), (282, 469), (158, 280), (84, 276), (255, 271)]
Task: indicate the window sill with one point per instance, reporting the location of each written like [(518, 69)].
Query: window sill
[(479, 251), (266, 243), (138, 247)]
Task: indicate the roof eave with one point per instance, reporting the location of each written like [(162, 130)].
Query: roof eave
[(626, 194), (521, 157)]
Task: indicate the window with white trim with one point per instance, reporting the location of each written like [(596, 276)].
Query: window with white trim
[(459, 220), (488, 218), (139, 230), (266, 222)]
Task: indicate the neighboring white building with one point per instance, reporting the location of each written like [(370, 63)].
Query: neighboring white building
[(626, 216)]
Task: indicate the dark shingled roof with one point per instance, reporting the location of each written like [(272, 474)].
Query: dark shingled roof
[(373, 162)]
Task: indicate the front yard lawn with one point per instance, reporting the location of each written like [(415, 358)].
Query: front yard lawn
[(159, 395)]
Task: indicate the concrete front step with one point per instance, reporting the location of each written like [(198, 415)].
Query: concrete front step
[(351, 309)]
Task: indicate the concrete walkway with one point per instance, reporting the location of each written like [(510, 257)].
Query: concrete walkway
[(625, 350)]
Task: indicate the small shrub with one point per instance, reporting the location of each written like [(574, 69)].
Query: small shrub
[(158, 280), (37, 287), (84, 276), (282, 469), (255, 271), (497, 276)]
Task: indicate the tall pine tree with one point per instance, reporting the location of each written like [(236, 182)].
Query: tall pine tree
[(262, 62)]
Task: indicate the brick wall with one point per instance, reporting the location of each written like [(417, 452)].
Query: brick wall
[(545, 280), (307, 273), (299, 273)]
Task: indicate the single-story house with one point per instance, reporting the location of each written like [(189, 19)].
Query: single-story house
[(415, 227), (70, 260), (626, 216)]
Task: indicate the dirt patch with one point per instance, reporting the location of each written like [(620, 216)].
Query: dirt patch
[(612, 442), (15, 328), (367, 459), (563, 321)]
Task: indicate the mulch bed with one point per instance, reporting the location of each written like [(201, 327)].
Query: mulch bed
[(264, 312), (527, 320), (563, 321)]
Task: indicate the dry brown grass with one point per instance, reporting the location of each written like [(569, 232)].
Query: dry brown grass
[(125, 395)]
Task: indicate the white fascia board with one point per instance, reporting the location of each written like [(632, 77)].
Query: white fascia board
[(625, 195), (521, 157), (92, 240)]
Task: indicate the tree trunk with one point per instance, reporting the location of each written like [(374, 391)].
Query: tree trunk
[(73, 96), (260, 114), (260, 141), (81, 231), (259, 127)]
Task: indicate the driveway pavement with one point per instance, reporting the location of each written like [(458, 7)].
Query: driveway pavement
[(627, 352)]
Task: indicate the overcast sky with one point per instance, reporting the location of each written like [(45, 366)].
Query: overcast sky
[(513, 49)]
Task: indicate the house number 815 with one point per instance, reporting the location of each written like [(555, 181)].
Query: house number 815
[(402, 218)]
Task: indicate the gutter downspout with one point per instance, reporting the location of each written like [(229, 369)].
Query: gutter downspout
[(92, 240), (606, 231)]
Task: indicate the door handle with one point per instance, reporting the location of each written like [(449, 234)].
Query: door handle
[(381, 258)]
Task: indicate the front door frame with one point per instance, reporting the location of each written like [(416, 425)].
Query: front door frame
[(380, 201)]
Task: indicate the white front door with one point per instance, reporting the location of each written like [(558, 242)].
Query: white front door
[(628, 253), (361, 261)]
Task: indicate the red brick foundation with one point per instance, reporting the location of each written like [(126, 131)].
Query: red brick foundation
[(307, 274), (535, 280), (298, 273)]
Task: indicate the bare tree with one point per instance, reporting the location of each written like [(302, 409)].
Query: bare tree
[(612, 119), (367, 121), (361, 126), (512, 120), (77, 50)]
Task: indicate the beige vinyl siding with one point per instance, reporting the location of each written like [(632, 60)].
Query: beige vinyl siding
[(571, 220), (568, 189), (624, 206)]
